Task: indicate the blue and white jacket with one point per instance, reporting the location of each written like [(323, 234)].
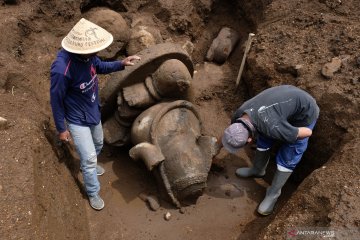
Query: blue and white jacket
[(74, 93)]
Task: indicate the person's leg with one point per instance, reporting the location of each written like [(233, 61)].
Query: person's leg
[(98, 139), (85, 147), (260, 161), (273, 192), (288, 156)]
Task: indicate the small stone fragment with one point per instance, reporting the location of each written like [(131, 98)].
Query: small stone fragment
[(140, 39), (330, 68), (3, 123), (167, 216), (222, 45), (152, 201), (189, 47), (358, 62), (298, 70), (182, 210), (230, 190), (355, 80)]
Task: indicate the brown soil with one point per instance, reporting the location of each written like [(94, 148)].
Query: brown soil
[(40, 186)]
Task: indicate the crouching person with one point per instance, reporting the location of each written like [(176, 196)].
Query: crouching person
[(75, 100), (284, 113)]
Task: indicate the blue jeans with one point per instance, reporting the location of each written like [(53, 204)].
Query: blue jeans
[(289, 154), (88, 142)]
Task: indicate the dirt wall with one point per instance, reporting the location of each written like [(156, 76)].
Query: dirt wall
[(39, 198)]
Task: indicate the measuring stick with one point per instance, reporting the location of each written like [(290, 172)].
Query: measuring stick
[(247, 48)]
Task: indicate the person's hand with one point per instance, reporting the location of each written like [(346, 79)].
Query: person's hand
[(129, 60), (304, 132), (65, 136)]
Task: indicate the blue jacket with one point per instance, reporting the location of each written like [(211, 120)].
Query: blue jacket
[(74, 89)]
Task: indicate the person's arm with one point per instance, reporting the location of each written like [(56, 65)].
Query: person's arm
[(108, 67), (58, 90), (284, 131), (129, 61), (114, 66)]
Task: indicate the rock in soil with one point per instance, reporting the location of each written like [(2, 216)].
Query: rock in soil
[(3, 123), (152, 201), (167, 216)]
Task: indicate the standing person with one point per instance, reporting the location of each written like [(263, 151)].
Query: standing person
[(285, 113), (75, 100)]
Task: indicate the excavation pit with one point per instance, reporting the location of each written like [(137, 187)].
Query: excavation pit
[(40, 187)]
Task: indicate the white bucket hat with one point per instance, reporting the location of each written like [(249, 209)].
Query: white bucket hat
[(86, 38)]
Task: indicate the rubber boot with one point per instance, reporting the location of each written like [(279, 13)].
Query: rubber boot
[(273, 192), (261, 160)]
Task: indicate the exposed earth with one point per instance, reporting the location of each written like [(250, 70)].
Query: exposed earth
[(310, 44)]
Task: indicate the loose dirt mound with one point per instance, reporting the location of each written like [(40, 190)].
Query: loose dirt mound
[(39, 186)]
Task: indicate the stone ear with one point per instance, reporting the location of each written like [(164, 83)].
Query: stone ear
[(150, 154)]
